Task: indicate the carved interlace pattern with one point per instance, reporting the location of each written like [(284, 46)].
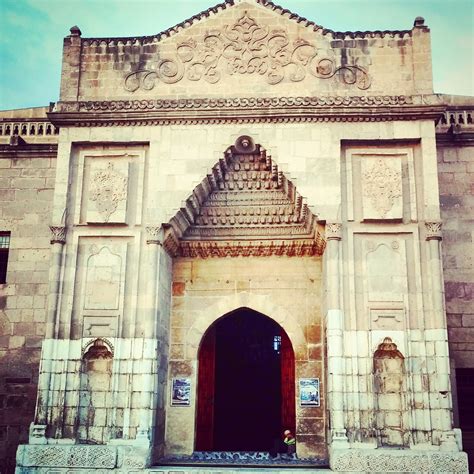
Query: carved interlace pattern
[(382, 186), (433, 230), (245, 48), (108, 188), (69, 456), (242, 103), (58, 234), (370, 461)]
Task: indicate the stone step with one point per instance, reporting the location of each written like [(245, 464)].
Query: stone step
[(234, 470)]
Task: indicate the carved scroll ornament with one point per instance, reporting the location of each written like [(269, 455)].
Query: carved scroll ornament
[(245, 48)]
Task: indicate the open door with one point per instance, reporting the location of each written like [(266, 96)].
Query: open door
[(287, 358), (206, 386)]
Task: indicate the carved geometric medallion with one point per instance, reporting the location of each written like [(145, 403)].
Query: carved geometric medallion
[(245, 207)]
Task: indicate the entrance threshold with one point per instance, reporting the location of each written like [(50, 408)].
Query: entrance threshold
[(244, 459)]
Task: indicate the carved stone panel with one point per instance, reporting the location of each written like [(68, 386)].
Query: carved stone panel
[(382, 196), (107, 196), (379, 184), (103, 276), (108, 185), (100, 285), (382, 294)]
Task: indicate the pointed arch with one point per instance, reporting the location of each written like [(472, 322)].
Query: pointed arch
[(260, 303)]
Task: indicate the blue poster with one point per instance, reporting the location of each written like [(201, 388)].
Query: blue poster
[(309, 393)]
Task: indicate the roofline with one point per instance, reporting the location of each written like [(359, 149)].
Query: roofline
[(265, 3)]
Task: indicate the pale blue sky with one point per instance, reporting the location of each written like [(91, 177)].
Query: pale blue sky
[(31, 33)]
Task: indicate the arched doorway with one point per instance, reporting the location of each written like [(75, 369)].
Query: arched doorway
[(246, 384)]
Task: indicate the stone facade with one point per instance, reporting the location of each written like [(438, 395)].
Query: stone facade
[(247, 158)]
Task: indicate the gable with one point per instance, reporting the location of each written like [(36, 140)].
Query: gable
[(246, 49)]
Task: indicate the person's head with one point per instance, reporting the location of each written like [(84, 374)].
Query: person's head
[(287, 432)]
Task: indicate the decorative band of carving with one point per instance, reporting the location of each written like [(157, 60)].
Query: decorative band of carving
[(333, 231), (241, 103), (154, 235), (433, 230), (294, 248), (58, 234)]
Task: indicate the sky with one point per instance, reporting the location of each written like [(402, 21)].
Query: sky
[(32, 32)]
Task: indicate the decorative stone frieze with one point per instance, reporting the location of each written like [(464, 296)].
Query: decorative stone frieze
[(245, 48), (246, 109), (433, 230), (58, 234), (67, 456), (296, 248), (384, 460), (241, 102)]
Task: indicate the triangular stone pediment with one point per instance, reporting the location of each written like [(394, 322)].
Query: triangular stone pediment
[(244, 207), (246, 42)]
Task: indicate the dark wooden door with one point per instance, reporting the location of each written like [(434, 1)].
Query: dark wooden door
[(206, 387), (288, 414)]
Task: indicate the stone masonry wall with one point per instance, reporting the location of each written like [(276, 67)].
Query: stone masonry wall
[(456, 185), (26, 193)]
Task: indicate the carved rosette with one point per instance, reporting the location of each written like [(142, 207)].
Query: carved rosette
[(58, 234), (154, 235), (108, 188), (433, 230), (333, 231), (246, 48)]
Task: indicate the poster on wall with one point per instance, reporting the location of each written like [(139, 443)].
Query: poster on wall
[(181, 392), (309, 393)]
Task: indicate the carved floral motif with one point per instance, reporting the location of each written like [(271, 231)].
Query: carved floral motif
[(108, 188), (58, 234), (382, 186), (433, 230), (245, 48), (333, 231)]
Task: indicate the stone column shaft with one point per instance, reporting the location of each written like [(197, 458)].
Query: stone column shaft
[(442, 420), (58, 239), (334, 328)]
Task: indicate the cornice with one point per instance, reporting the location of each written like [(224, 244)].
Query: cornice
[(141, 40), (246, 109)]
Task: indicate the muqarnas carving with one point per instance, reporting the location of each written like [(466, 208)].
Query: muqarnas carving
[(108, 193), (246, 48), (382, 188)]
